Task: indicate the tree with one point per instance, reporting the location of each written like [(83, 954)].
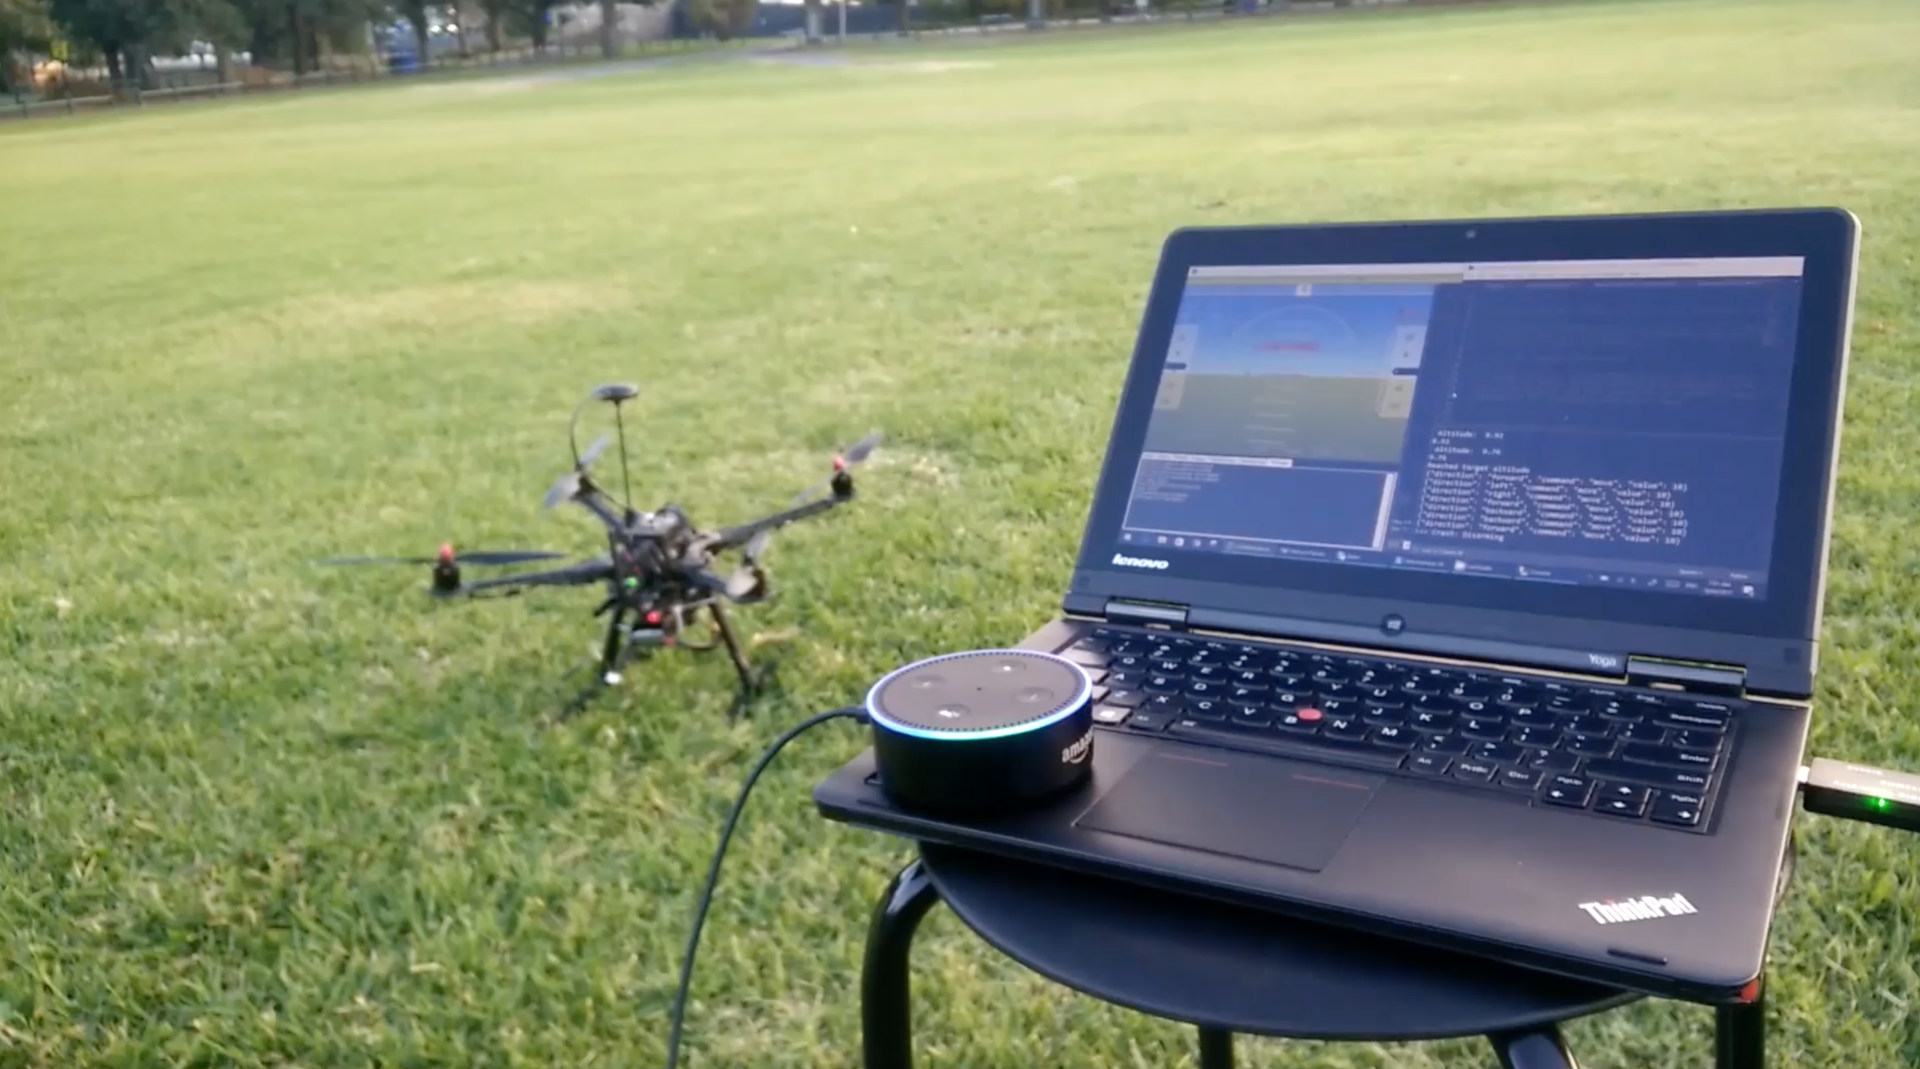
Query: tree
[(24, 27), (123, 30)]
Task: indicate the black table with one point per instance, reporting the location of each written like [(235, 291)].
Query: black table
[(1229, 969)]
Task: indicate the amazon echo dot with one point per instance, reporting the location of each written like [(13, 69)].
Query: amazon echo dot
[(983, 731)]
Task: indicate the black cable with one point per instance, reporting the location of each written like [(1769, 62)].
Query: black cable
[(713, 873)]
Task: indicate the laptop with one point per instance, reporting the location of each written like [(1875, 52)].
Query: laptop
[(1461, 582)]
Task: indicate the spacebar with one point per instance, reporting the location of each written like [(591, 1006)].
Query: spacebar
[(1332, 751)]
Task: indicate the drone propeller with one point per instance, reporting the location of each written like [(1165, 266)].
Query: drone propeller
[(568, 486), (857, 453), (748, 577), (479, 557)]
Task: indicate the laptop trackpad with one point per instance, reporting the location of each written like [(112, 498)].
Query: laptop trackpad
[(1260, 808)]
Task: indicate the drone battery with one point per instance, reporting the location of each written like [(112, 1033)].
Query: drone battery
[(983, 731)]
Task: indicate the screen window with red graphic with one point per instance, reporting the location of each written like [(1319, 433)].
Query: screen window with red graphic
[(1594, 422)]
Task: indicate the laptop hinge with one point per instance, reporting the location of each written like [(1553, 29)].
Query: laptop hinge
[(1694, 678), (1148, 613)]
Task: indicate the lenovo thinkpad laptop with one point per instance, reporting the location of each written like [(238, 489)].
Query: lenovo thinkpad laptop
[(1461, 581)]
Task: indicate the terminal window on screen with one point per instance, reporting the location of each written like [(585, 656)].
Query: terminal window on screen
[(1616, 423)]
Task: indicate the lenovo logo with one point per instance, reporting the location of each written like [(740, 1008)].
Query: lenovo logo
[(1644, 908), (1139, 562)]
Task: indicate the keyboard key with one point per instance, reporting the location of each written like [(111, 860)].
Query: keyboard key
[(1128, 698), (1248, 716), (1344, 728), (1293, 723), (1162, 684), (1087, 657), (1164, 703), (1452, 745), (1135, 662), (1587, 745), (1146, 720), (1653, 754), (1568, 790), (1212, 673), (1680, 809), (1373, 714), (1475, 771), (1688, 720), (1110, 714), (1619, 807), (1515, 696), (1429, 764), (1202, 689), (1287, 699), (1696, 740), (1207, 709), (1589, 724), (1429, 720), (1331, 750), (1248, 678), (1519, 779), (1483, 728), (1543, 738), (1685, 779), (1556, 761), (1501, 752), (1397, 737), (1625, 792), (1642, 732), (1383, 697), (1247, 695)]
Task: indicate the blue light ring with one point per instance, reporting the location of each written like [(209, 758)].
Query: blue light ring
[(1066, 710)]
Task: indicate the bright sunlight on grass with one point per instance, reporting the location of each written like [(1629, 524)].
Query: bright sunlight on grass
[(261, 813)]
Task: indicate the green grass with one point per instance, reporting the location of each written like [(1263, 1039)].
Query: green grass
[(261, 813)]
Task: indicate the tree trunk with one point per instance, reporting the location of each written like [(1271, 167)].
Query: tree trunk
[(297, 37), (609, 28), (493, 31), (813, 22), (116, 74), (420, 41)]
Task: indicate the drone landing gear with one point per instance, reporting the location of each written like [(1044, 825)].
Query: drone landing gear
[(751, 683), (624, 642)]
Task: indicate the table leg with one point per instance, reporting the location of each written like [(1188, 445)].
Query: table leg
[(1536, 1048), (1740, 1034), (886, 1024), (1216, 1048)]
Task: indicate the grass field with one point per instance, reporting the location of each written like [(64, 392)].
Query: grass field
[(260, 813)]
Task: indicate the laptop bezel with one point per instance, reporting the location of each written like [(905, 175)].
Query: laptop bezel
[(1582, 628)]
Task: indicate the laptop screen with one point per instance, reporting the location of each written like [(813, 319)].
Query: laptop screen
[(1611, 423)]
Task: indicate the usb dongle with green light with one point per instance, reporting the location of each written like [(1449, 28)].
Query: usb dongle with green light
[(1861, 792)]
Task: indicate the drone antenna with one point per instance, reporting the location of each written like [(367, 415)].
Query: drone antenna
[(626, 484)]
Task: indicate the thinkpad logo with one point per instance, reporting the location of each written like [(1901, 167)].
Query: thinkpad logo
[(1138, 562), (1644, 908)]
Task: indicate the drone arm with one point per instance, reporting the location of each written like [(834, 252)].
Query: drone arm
[(741, 534), (582, 574), (592, 501)]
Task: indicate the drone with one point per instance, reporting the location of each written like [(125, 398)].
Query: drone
[(660, 571)]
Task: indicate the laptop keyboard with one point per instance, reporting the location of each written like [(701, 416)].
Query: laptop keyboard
[(1625, 754)]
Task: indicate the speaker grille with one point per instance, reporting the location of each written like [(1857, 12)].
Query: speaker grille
[(980, 691)]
